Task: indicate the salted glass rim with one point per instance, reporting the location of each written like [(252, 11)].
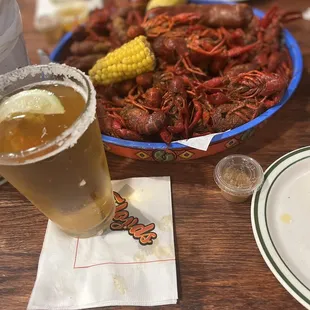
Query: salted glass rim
[(67, 138)]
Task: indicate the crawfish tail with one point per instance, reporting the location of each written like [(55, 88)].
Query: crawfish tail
[(223, 121), (142, 122)]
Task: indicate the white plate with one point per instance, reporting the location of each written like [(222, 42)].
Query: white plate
[(280, 217)]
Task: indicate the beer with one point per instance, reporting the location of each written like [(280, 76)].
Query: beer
[(58, 161)]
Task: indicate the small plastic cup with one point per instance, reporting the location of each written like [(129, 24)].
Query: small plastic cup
[(238, 176)]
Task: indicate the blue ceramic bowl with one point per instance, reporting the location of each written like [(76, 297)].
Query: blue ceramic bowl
[(219, 143)]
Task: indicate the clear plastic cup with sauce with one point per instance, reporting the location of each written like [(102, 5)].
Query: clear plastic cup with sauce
[(238, 176)]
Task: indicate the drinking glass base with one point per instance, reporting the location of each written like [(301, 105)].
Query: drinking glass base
[(95, 231)]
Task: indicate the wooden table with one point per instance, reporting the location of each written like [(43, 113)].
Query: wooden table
[(219, 265)]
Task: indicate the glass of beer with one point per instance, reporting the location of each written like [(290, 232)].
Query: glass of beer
[(51, 149)]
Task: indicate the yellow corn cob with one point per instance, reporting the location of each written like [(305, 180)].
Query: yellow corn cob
[(130, 60)]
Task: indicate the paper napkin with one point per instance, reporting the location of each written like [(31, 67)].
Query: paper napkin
[(200, 143), (113, 269)]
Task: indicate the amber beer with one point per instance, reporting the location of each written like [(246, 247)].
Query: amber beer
[(58, 161)]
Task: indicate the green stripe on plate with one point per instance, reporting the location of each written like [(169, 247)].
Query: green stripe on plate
[(258, 230)]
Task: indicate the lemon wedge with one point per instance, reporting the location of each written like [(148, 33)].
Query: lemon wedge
[(34, 101)]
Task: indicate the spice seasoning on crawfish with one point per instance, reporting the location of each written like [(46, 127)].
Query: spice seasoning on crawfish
[(217, 15), (256, 83), (223, 120), (142, 121), (217, 67), (113, 127)]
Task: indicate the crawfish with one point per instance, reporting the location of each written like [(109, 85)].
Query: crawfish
[(202, 46), (203, 126), (256, 83), (279, 60), (132, 10), (175, 102), (153, 97), (241, 68), (145, 80), (164, 23), (135, 31), (198, 114), (222, 120), (270, 26), (96, 25), (195, 50), (112, 124), (161, 80), (216, 84), (142, 121), (218, 15), (79, 33), (113, 127), (275, 17), (175, 50)]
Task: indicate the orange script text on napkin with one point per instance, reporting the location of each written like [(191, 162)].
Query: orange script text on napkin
[(122, 221)]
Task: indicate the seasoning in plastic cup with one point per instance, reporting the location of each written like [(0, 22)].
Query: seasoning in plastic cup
[(238, 176)]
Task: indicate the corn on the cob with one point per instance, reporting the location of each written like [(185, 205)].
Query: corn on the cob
[(130, 60)]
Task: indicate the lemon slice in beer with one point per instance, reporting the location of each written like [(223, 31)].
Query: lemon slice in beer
[(33, 101)]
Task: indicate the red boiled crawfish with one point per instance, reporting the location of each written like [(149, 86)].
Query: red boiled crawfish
[(142, 121), (128, 118), (157, 20), (175, 105), (209, 77), (105, 30), (256, 84), (198, 51), (112, 124), (131, 124), (271, 55)]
